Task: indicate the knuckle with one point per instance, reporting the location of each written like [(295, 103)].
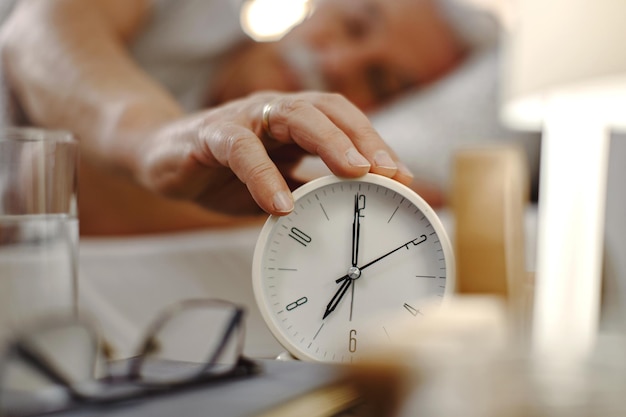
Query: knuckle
[(259, 173), (262, 96), (286, 110), (366, 131), (225, 141), (338, 97), (332, 136), (295, 105), (328, 141), (334, 98), (236, 144)]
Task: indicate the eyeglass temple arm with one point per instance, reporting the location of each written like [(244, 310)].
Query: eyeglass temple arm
[(38, 363), (232, 325)]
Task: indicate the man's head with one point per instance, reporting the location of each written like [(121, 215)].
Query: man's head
[(367, 50)]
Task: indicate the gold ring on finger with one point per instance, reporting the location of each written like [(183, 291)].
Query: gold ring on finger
[(266, 119)]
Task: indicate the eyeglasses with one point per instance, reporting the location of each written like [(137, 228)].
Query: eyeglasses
[(60, 363)]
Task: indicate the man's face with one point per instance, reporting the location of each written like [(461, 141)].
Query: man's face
[(367, 50)]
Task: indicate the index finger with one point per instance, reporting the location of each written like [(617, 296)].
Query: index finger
[(330, 126)]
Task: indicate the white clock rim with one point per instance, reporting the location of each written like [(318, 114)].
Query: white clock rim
[(317, 183)]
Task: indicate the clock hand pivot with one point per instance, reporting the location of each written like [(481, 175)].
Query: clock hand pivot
[(354, 272)]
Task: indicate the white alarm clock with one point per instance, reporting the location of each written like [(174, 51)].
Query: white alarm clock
[(355, 258)]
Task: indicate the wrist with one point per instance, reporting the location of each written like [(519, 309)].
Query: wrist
[(128, 132)]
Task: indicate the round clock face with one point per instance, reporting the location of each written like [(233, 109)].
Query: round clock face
[(356, 259)]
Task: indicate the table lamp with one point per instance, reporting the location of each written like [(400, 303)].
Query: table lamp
[(565, 73)]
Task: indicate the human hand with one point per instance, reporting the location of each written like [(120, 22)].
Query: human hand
[(226, 160)]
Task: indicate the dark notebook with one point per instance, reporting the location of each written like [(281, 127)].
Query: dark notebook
[(280, 388)]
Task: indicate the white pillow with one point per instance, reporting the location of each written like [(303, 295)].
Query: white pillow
[(426, 126)]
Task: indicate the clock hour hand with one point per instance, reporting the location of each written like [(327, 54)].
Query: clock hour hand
[(334, 302), (414, 242)]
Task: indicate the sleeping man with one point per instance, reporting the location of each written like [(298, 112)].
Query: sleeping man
[(168, 100), (128, 76)]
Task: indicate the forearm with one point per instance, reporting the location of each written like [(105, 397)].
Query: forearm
[(67, 63)]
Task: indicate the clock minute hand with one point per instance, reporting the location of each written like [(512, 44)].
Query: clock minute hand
[(356, 227), (415, 242)]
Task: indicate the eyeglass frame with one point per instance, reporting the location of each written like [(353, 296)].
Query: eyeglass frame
[(18, 347)]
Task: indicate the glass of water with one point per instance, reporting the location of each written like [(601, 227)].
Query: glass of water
[(38, 225)]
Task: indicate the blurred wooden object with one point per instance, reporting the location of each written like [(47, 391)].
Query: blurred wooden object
[(489, 194), (490, 191)]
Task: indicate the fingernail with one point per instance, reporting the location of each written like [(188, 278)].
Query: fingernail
[(383, 160), (404, 170), (283, 203), (356, 159)]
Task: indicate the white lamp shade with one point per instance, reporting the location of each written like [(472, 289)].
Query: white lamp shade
[(570, 48)]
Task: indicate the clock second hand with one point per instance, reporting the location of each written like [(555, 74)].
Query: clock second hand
[(352, 300)]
